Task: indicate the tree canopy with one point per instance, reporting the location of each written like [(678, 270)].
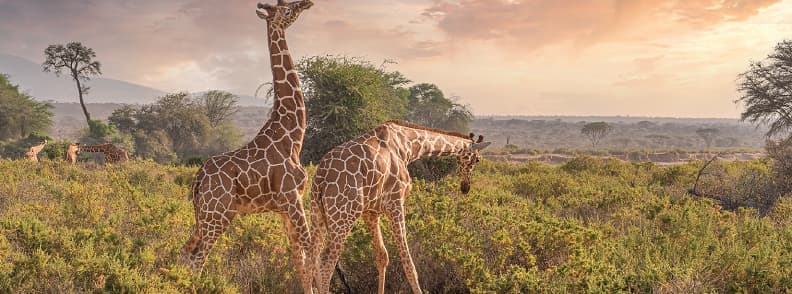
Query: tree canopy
[(179, 126), (766, 90), (708, 135), (346, 97), (20, 115), (428, 106), (218, 106), (595, 131)]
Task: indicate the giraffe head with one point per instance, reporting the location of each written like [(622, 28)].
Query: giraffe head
[(283, 14), (467, 160)]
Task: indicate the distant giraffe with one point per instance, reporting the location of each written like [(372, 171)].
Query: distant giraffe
[(266, 174), (33, 152), (367, 177), (112, 153), (71, 152)]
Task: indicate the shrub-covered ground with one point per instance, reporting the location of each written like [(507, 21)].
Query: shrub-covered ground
[(586, 226)]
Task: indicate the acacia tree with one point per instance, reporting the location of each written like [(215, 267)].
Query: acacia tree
[(708, 135), (218, 106), (346, 97), (596, 131), (428, 106), (77, 60), (766, 89)]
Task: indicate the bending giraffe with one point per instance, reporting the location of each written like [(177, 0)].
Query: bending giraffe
[(368, 177), (112, 153), (33, 152), (266, 174)]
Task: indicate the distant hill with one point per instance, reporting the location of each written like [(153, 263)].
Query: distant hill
[(47, 87)]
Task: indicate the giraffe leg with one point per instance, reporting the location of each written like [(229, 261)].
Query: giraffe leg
[(207, 230), (338, 228), (299, 241), (214, 211), (332, 251), (398, 225), (380, 253)]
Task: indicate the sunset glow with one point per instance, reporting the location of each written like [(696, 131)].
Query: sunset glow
[(534, 57)]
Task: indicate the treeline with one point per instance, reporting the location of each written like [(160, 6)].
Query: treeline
[(550, 134), (345, 97), (23, 120)]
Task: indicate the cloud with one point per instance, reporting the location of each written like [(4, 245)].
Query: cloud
[(529, 24), (165, 43)]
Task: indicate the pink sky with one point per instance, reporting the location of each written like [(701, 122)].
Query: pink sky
[(532, 57)]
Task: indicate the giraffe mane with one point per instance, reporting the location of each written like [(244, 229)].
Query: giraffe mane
[(420, 127)]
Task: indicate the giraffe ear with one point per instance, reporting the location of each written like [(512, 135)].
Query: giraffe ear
[(472, 136), (480, 139), (282, 2)]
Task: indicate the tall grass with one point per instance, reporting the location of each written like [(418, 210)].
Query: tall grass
[(589, 225)]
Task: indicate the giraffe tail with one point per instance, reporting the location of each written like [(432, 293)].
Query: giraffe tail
[(190, 247), (318, 230)]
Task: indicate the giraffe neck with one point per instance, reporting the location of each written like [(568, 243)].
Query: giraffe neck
[(413, 144), (288, 108)]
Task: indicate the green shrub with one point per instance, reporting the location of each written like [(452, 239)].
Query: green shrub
[(591, 225)]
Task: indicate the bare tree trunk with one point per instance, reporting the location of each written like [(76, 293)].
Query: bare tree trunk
[(82, 102)]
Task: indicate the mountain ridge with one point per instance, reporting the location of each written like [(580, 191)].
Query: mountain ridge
[(48, 87)]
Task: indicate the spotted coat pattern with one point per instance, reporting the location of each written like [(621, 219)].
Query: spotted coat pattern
[(112, 153), (266, 174), (368, 177)]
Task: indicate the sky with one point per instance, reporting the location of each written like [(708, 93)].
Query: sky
[(677, 58)]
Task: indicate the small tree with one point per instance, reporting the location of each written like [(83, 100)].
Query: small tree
[(77, 60), (346, 97), (708, 135), (218, 106), (766, 89), (428, 106), (20, 115), (596, 131)]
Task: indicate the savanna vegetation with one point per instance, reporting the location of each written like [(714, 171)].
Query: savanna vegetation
[(590, 225), (587, 225)]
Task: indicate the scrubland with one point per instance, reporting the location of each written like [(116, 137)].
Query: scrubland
[(588, 225)]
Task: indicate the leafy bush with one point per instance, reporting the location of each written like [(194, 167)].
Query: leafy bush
[(588, 226)]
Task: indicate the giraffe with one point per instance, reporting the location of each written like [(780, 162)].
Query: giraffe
[(368, 177), (112, 153), (33, 152), (71, 152), (266, 174)]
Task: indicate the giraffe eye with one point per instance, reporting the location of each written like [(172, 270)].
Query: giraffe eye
[(287, 12)]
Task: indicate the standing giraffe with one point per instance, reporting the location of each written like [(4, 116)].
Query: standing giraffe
[(367, 177), (71, 152), (33, 152), (266, 174), (112, 153)]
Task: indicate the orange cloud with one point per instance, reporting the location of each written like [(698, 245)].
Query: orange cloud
[(534, 23)]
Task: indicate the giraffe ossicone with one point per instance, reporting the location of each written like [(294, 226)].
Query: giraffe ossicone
[(266, 174), (367, 177)]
